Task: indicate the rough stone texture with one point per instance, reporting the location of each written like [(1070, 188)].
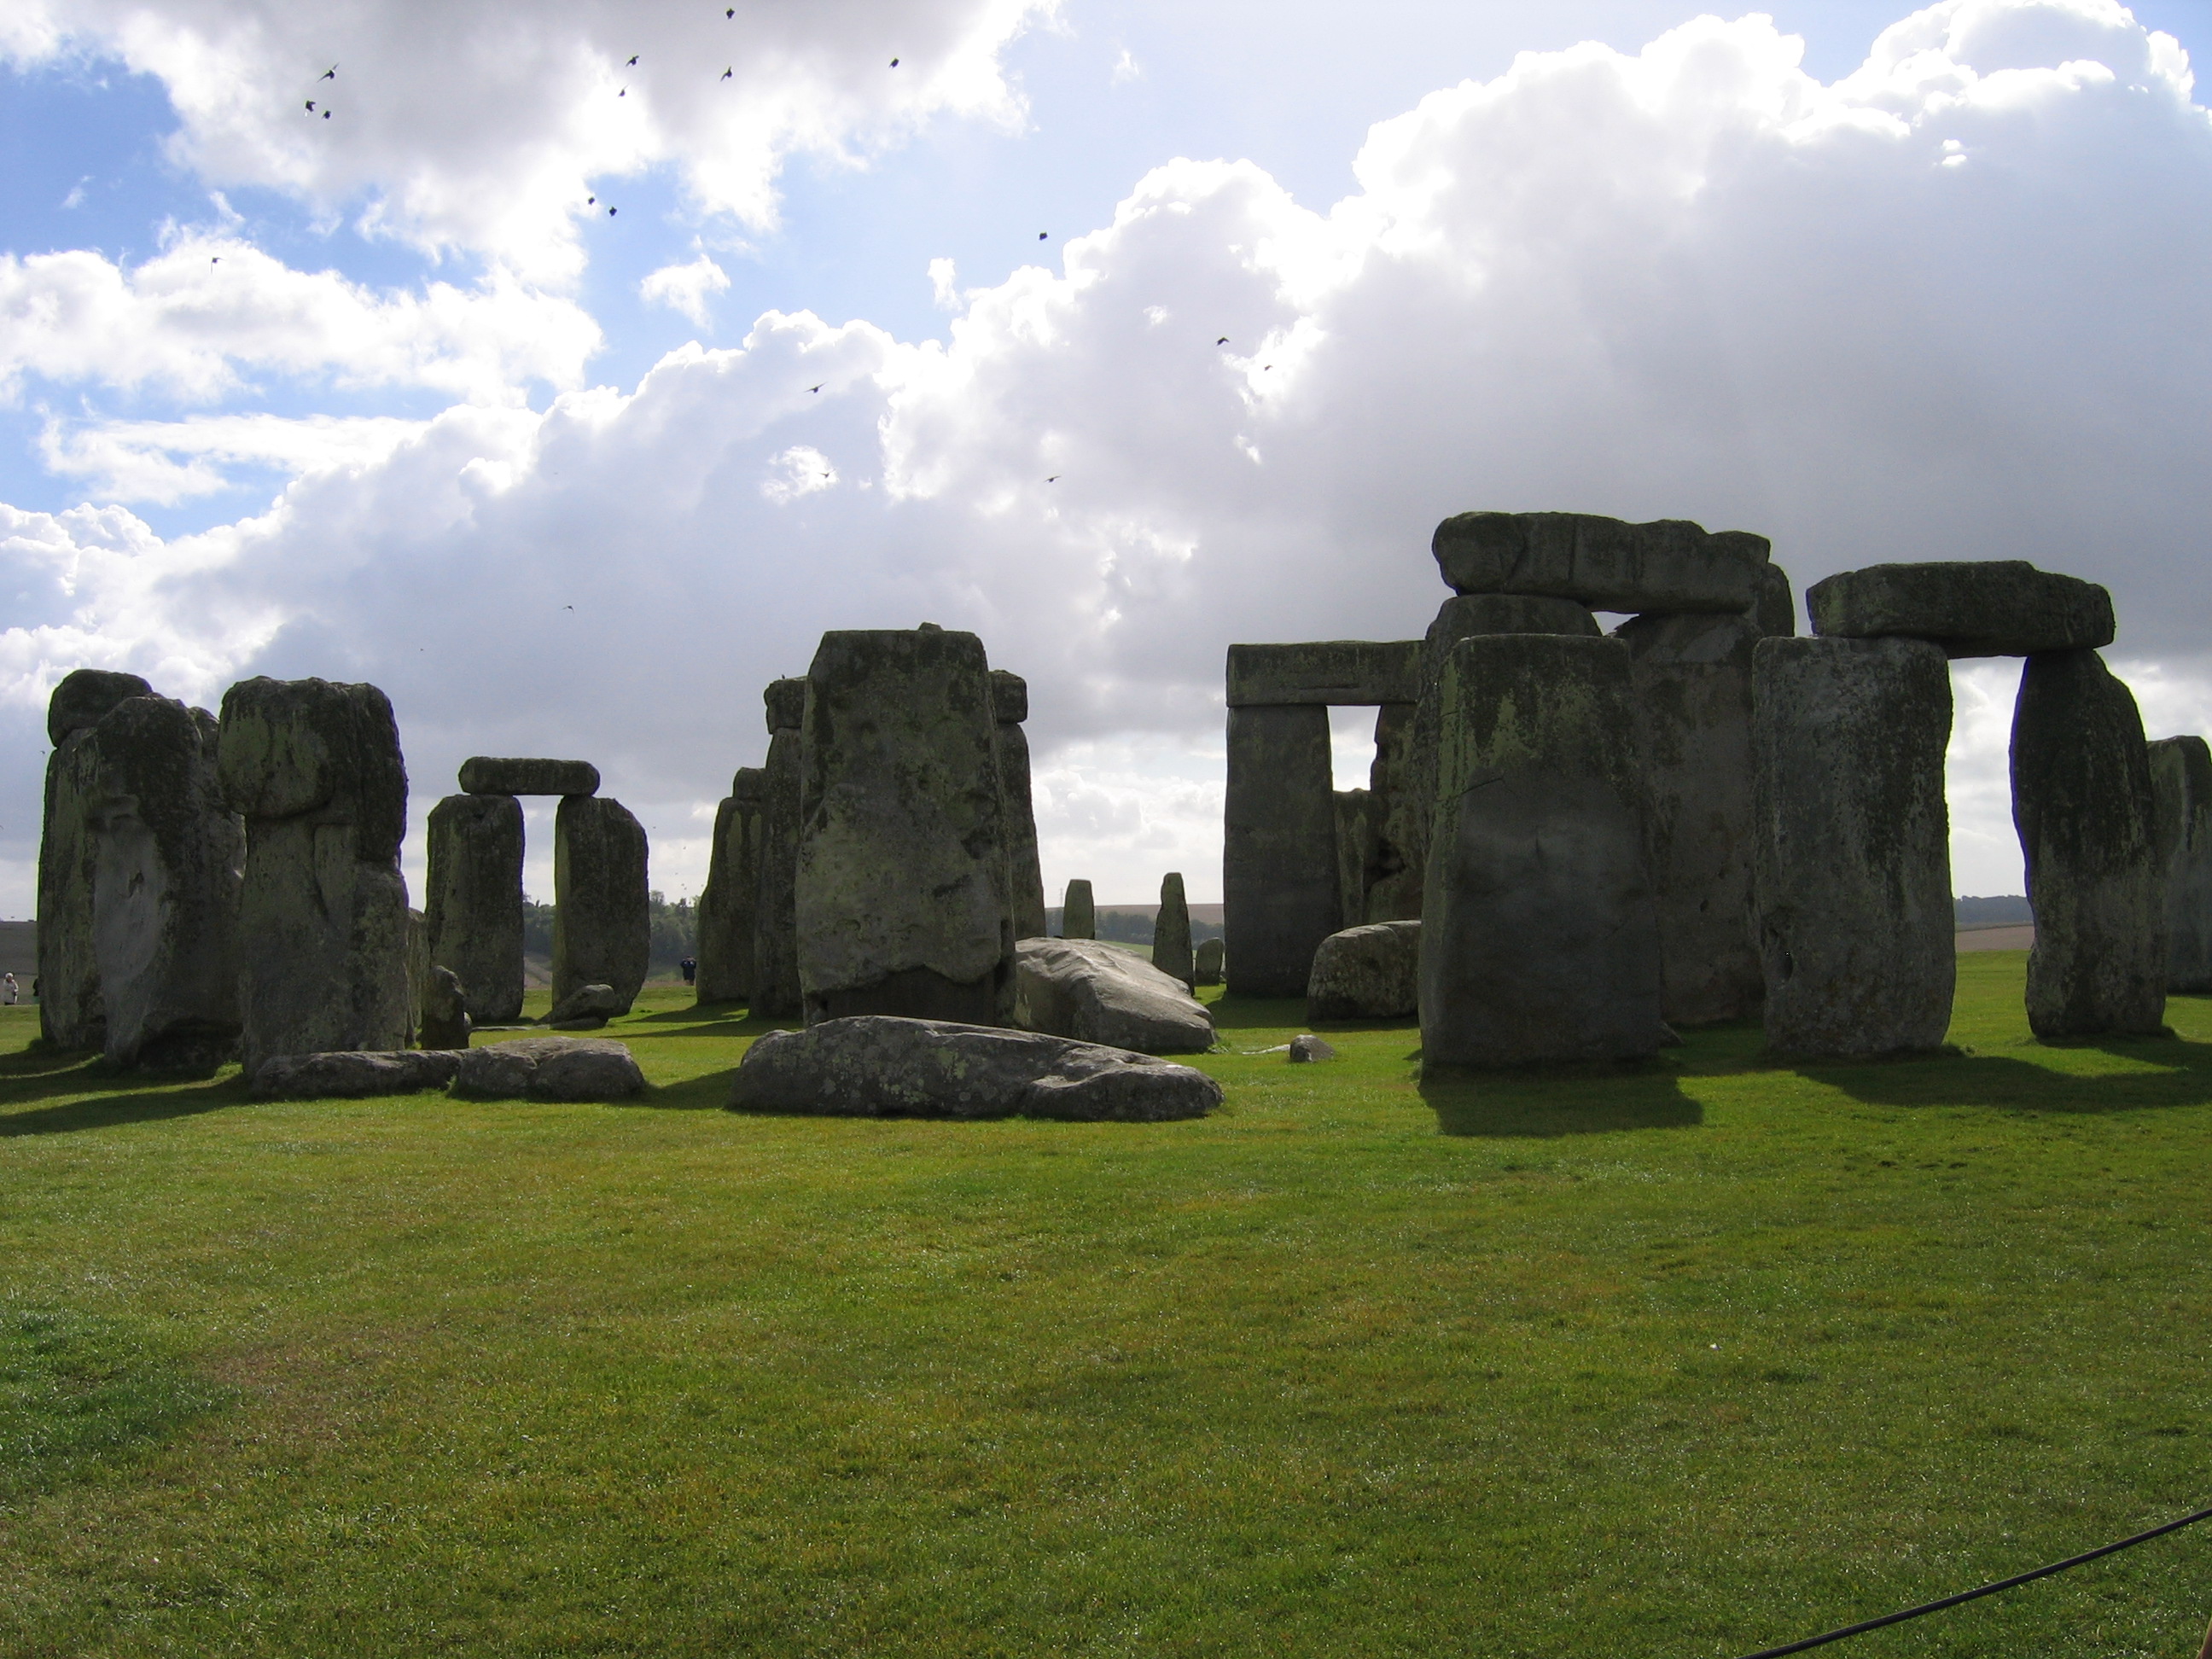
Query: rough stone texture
[(1359, 844), (1010, 697), (879, 1067), (902, 895), (315, 769), (602, 925), (728, 902), (351, 1074), (1347, 673), (1372, 972), (1171, 932), (446, 1022), (1851, 854), (1281, 884), (775, 918), (2181, 784), (71, 1013), (549, 1068), (1692, 680), (1971, 608), (1095, 991), (589, 1002), (1078, 912), (1391, 880), (1024, 870), (1774, 612), (168, 859), (2082, 801), (418, 972), (1208, 957), (1308, 1048), (1669, 565), (472, 913), (1539, 938), (489, 774)]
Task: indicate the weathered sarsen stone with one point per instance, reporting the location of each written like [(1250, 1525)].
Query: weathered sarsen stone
[(2181, 783), (1668, 565), (1281, 882), (1209, 956), (1852, 866), (315, 769), (2082, 802), (472, 913), (1340, 673), (1078, 912), (602, 919), (1971, 608), (1171, 931), (730, 900), (902, 899), (1010, 706), (445, 1022), (1390, 879), (1539, 932), (492, 774), (1095, 991), (776, 993), (1372, 972), (70, 1014), (549, 1068)]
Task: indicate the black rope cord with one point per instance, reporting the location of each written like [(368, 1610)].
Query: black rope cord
[(2017, 1579)]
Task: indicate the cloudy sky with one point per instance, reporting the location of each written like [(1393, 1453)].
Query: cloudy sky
[(569, 398)]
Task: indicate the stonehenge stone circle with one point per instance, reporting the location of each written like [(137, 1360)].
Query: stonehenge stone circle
[(1171, 931), (1095, 991), (1971, 608), (776, 993), (1669, 565), (472, 913), (1853, 865), (446, 1023), (602, 921), (727, 903), (314, 768), (71, 1013), (901, 887), (2082, 798), (2181, 784), (1078, 912), (488, 774), (1010, 707), (1539, 934), (1370, 972), (1281, 878), (1209, 954)]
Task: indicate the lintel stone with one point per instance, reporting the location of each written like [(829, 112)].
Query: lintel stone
[(1971, 608), (1667, 565), (486, 774), (1343, 673)]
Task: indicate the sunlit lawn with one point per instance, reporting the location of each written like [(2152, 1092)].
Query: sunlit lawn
[(1679, 1360)]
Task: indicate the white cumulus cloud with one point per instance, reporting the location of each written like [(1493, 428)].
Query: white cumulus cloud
[(684, 288)]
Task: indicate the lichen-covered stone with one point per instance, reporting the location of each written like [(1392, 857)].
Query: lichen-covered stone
[(1852, 870), (1024, 870), (1010, 697), (602, 919), (1306, 1048), (785, 702), (293, 747), (1095, 991), (1171, 931), (1281, 880), (874, 1066), (2081, 799), (1208, 957), (776, 994), (1538, 931), (1078, 912), (492, 774), (2181, 783), (1971, 608), (1669, 565), (445, 1022), (472, 913), (82, 699), (1342, 673), (1774, 612), (353, 1074), (1358, 838), (1370, 972), (728, 902), (1391, 881), (563, 1068), (70, 1012)]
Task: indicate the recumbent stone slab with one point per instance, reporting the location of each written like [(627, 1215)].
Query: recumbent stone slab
[(1096, 992), (472, 913), (549, 1068), (1669, 564), (354, 1074), (602, 921), (1971, 608), (490, 774), (71, 1013), (2181, 783), (1371, 972)]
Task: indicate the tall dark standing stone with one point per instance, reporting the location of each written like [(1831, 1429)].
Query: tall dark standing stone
[(1209, 961), (1392, 879), (1539, 933), (1691, 676), (166, 883), (1010, 704), (727, 903), (2181, 781), (71, 1015), (775, 918), (1171, 931), (902, 899), (602, 918), (1078, 912), (1280, 876), (1852, 859), (315, 769), (472, 913), (1358, 846), (2082, 802)]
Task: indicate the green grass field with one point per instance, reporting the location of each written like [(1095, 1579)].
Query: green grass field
[(1680, 1360)]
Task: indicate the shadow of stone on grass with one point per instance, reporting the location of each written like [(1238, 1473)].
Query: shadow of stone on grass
[(1999, 1081), (1567, 1100), (108, 1111)]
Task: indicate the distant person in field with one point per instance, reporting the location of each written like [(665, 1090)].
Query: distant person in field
[(10, 992), (689, 966)]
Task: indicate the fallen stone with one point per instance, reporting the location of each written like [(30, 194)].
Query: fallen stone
[(492, 774), (1282, 884), (70, 1012), (590, 1002), (353, 1074), (472, 912), (876, 1066), (550, 1068), (1078, 912), (1669, 564), (1095, 991), (445, 1012), (1971, 608), (1171, 932), (1208, 958), (776, 993), (2181, 782), (1309, 1047), (602, 921), (727, 903), (1370, 972)]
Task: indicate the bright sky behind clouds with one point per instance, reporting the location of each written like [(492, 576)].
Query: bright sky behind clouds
[(496, 386)]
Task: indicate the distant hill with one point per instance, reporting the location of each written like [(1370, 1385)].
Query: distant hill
[(2009, 911)]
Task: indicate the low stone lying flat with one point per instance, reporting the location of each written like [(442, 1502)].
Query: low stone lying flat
[(881, 1065), (353, 1074), (491, 774), (1669, 564), (1367, 973), (1971, 608), (588, 1002), (549, 1068), (1095, 991)]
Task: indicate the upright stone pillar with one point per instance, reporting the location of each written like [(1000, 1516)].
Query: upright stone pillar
[(727, 903), (2181, 781), (1358, 846), (1078, 912), (902, 898), (315, 769), (1392, 876), (1852, 859), (602, 919), (775, 918), (71, 1013), (1010, 704), (1539, 933), (1171, 931), (1280, 876), (2081, 799), (472, 913), (1691, 679)]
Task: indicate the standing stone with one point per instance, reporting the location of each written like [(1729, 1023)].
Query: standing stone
[(71, 1015), (1010, 704), (1208, 957), (1393, 875), (602, 918), (1281, 885), (1852, 867), (1691, 676), (1171, 932), (2082, 801), (315, 769), (775, 918), (1358, 841), (1078, 913), (902, 904), (167, 858), (1539, 933), (446, 1023), (727, 903), (2181, 781), (472, 913)]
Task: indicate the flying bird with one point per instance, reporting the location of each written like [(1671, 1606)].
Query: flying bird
[(611, 213), (894, 63), (216, 261), (311, 103), (633, 61), (591, 200), (1042, 234), (732, 12), (1053, 479), (727, 73), (332, 73), (1224, 340), (825, 475), (625, 92), (816, 388), (326, 115), (567, 607)]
